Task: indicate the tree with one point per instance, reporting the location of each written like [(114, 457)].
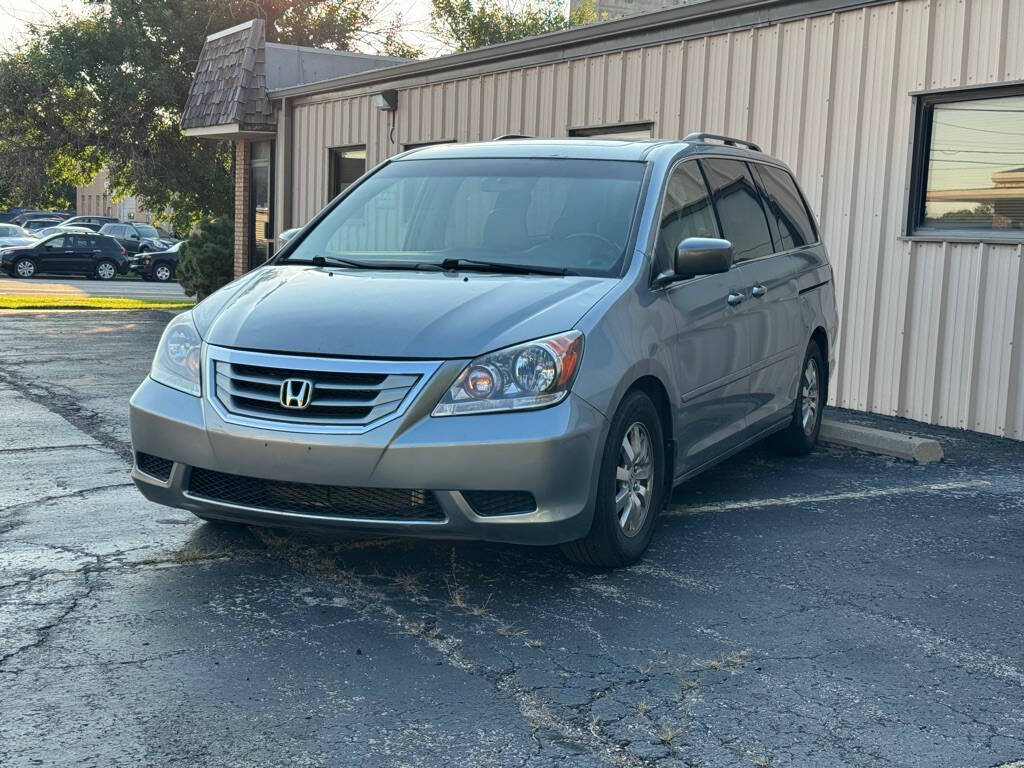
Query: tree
[(206, 259), (106, 88), (468, 24)]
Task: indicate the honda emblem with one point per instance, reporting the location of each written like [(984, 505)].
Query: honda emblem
[(296, 393)]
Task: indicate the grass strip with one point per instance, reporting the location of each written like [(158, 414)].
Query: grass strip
[(43, 301)]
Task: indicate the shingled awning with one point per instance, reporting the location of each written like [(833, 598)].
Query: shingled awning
[(229, 90)]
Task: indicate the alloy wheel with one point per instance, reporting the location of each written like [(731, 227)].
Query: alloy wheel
[(810, 396), (162, 273), (634, 479), (25, 268), (105, 271)]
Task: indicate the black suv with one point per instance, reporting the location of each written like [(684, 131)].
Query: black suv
[(136, 238), (70, 253)]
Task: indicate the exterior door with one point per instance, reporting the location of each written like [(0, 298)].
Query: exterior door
[(709, 347), (738, 202), (53, 254), (80, 254), (782, 331)]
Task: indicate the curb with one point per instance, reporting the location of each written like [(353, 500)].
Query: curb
[(918, 449)]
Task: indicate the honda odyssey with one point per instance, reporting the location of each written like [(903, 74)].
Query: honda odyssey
[(528, 341)]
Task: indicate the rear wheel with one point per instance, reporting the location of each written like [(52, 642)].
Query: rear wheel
[(799, 437), (162, 272), (24, 268), (106, 270), (630, 490)]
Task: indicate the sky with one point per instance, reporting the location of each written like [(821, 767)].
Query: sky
[(16, 14)]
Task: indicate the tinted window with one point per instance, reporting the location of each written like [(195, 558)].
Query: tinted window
[(739, 208), (573, 214), (686, 212), (107, 244), (145, 230), (787, 207), (974, 165)]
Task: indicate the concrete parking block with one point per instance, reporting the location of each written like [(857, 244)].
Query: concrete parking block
[(907, 447)]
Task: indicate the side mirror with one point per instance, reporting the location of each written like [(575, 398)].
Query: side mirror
[(699, 256)]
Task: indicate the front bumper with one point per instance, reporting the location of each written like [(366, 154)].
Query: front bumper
[(551, 453)]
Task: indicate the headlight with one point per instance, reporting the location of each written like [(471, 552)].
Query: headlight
[(177, 360), (531, 375)]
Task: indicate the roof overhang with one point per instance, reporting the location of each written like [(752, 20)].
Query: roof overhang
[(227, 131)]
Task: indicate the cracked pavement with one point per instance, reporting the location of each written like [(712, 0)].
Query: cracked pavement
[(842, 609)]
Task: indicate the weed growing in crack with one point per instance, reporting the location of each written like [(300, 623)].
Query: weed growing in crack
[(196, 555), (533, 642), (641, 707), (668, 733), (687, 684), (734, 661)]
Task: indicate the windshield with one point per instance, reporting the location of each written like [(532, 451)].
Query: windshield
[(11, 230), (145, 230), (553, 213)]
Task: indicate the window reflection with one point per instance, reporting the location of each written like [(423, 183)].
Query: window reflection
[(976, 165)]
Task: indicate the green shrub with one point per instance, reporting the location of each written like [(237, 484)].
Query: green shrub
[(206, 260)]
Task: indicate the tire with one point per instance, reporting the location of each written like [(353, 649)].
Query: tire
[(24, 268), (106, 270), (617, 536), (799, 438), (161, 272)]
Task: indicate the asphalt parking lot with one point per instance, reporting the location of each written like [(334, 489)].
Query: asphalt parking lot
[(56, 286), (839, 610)]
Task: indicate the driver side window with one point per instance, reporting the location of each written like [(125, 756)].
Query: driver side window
[(685, 212), (57, 242)]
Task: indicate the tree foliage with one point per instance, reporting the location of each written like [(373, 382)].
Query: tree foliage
[(106, 88), (206, 259), (468, 24)]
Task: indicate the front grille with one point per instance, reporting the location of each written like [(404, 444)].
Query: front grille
[(490, 503), (338, 396), (154, 466), (333, 500)]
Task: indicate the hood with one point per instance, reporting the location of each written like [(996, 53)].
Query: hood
[(380, 313), (16, 242)]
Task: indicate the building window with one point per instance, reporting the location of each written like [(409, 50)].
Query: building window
[(967, 176), (347, 165), (261, 218), (629, 131)]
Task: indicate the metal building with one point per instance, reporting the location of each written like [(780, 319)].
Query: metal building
[(904, 121)]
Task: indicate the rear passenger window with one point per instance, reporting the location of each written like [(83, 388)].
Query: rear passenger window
[(787, 207), (739, 208), (686, 212)]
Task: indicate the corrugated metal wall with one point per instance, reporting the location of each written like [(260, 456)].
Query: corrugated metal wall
[(930, 330)]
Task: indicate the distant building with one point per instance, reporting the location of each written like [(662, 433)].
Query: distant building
[(95, 199)]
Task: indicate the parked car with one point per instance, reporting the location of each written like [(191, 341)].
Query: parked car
[(167, 237), (95, 223), (156, 265), (90, 255), (61, 228), (34, 225), (519, 341), (135, 237), (12, 234), (25, 216)]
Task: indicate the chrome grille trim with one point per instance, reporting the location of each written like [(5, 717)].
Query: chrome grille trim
[(349, 396)]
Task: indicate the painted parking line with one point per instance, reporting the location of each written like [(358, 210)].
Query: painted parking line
[(787, 501)]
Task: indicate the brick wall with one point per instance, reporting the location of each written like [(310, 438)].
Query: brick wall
[(242, 155)]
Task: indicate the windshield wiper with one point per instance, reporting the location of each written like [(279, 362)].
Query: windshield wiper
[(498, 266), (340, 261)]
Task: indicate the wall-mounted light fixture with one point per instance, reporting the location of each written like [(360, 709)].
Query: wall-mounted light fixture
[(386, 101)]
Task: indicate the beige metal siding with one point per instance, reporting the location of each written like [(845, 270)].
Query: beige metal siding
[(931, 331)]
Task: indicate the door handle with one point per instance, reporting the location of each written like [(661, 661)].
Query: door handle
[(758, 291), (735, 298)]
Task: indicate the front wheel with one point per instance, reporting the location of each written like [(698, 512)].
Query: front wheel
[(799, 437), (106, 270), (24, 268), (630, 488)]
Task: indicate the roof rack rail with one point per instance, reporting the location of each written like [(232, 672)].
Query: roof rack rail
[(724, 139), (507, 136)]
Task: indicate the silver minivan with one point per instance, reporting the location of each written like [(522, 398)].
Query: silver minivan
[(528, 341)]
